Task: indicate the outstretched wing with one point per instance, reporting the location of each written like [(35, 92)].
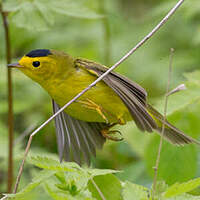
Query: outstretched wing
[(77, 140), (133, 95), (171, 133)]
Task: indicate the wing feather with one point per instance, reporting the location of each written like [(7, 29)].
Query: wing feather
[(77, 140), (132, 95)]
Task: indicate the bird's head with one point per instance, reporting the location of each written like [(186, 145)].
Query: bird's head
[(44, 64)]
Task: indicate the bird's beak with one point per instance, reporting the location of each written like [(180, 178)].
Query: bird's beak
[(14, 65)]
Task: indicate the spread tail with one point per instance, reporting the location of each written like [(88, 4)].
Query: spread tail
[(171, 133)]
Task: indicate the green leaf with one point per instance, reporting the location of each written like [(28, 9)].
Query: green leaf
[(30, 17), (52, 164), (80, 178), (40, 178), (184, 98), (131, 190), (179, 163), (135, 172), (57, 195), (11, 6), (108, 185), (180, 188), (78, 8), (97, 172), (184, 197), (176, 163), (39, 15), (65, 195)]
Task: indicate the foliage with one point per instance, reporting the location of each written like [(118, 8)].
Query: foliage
[(73, 182), (76, 27), (42, 12)]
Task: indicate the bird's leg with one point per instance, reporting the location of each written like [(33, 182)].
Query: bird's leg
[(107, 133), (91, 105)]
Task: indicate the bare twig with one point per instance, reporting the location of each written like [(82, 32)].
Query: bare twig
[(10, 100), (22, 164), (159, 25), (98, 189), (163, 125)]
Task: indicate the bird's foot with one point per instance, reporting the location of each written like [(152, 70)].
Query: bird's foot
[(91, 105), (108, 134)]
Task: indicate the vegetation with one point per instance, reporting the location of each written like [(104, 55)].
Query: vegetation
[(85, 28)]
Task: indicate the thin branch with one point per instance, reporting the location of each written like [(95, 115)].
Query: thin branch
[(10, 101), (160, 24), (163, 125), (98, 189), (22, 164)]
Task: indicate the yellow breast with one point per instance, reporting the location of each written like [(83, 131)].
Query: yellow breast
[(64, 90)]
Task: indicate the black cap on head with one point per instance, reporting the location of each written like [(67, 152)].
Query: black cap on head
[(39, 53)]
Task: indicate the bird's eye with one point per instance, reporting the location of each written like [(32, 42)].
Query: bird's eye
[(36, 64)]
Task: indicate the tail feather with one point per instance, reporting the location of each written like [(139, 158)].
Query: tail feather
[(171, 133)]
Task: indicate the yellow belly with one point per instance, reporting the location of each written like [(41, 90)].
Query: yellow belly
[(101, 94)]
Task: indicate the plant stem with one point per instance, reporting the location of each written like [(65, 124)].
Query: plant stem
[(163, 125), (149, 35), (10, 101)]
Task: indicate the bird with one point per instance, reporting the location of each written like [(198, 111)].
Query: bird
[(87, 123)]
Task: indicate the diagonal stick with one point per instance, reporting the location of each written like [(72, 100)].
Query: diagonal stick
[(149, 35), (98, 189)]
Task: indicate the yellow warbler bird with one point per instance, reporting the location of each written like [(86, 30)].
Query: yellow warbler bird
[(85, 124)]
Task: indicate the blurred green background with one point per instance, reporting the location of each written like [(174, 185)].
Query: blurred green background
[(84, 36)]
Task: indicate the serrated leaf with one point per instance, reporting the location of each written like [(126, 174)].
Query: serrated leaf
[(180, 188), (43, 175), (52, 164), (40, 178), (97, 172), (137, 192), (56, 195), (80, 178), (108, 185), (64, 195)]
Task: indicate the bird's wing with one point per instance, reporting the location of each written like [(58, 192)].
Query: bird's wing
[(133, 95), (171, 133), (77, 140)]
